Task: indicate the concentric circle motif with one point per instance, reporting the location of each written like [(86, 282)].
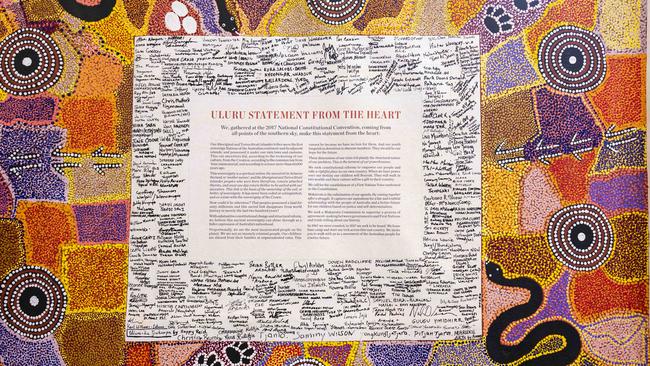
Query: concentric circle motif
[(572, 59), (307, 362), (33, 302), (335, 11), (30, 62), (581, 237)]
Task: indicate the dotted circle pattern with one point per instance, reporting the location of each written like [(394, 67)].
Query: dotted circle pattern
[(307, 362), (579, 257), (581, 72), (32, 318), (335, 12), (46, 68)]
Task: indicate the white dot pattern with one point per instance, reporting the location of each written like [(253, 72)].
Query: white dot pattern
[(335, 12), (45, 74), (559, 237), (592, 66), (46, 321)]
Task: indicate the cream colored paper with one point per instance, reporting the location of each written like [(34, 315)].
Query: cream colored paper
[(341, 179), (192, 93)]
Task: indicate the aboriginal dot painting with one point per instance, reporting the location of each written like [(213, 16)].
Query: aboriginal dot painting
[(564, 177)]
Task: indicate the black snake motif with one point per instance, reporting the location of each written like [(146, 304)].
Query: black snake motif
[(509, 353), (226, 19)]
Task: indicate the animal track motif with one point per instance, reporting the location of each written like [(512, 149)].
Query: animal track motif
[(179, 18), (497, 20), (525, 5), (209, 359), (240, 353)]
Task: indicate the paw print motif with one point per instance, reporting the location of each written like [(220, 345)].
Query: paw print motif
[(525, 5), (240, 353), (178, 18), (497, 20), (209, 359)]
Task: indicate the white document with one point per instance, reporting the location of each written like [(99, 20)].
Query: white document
[(307, 177), (322, 188)]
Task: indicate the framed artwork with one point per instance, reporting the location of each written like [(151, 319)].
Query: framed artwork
[(323, 182)]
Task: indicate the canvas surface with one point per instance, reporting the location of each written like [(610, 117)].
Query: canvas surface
[(564, 210)]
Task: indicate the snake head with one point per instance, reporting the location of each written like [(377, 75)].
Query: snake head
[(493, 270)]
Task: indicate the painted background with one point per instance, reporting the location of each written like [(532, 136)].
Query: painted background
[(564, 177)]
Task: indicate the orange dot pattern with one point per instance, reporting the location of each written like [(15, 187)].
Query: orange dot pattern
[(94, 105)]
